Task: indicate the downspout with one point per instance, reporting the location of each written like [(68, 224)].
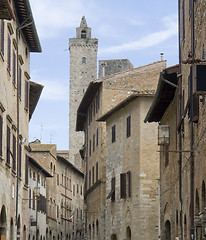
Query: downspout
[(192, 130), (180, 116), (23, 25)]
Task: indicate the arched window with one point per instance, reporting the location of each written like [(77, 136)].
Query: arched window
[(129, 234), (168, 230), (83, 34), (83, 60)]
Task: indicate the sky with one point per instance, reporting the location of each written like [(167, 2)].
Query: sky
[(132, 29)]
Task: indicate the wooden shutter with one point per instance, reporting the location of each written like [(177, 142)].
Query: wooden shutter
[(2, 37), (97, 170), (123, 185), (14, 68), (1, 135), (113, 189), (129, 126), (92, 175), (90, 178), (9, 54), (93, 142), (26, 171), (8, 145), (14, 153), (29, 198), (19, 82), (26, 94), (33, 200), (113, 133), (97, 137), (129, 183)]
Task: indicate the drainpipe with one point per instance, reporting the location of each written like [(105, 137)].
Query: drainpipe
[(180, 117), (23, 25), (192, 130)]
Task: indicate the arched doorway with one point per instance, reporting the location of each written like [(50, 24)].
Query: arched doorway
[(11, 229), (114, 237), (129, 233), (3, 224), (168, 230), (24, 233)]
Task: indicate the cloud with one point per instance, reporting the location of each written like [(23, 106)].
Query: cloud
[(54, 91), (155, 38)]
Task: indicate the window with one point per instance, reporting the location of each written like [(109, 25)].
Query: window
[(73, 190), (89, 178), (8, 145), (26, 170), (97, 170), (9, 54), (128, 126), (97, 138), (83, 34), (57, 179), (112, 192), (125, 184), (1, 135), (77, 188), (83, 60), (33, 200), (166, 155), (26, 94), (2, 38), (29, 198), (203, 52), (14, 153), (92, 175), (19, 82), (93, 143), (113, 133), (14, 68), (90, 147)]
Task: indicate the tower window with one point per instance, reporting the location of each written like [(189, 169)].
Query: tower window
[(83, 60), (83, 34)]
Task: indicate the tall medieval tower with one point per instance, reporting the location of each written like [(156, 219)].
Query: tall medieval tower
[(83, 70)]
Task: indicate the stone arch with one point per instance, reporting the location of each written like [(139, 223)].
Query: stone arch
[(83, 34), (128, 233), (167, 230), (114, 237), (3, 224)]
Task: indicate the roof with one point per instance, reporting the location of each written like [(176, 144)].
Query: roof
[(85, 102), (24, 12), (6, 10), (38, 147), (36, 164), (35, 90), (61, 158), (164, 94), (125, 102)]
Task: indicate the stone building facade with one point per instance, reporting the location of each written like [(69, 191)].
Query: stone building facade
[(37, 181), (83, 70), (17, 103), (64, 192), (182, 109), (100, 96), (132, 172)]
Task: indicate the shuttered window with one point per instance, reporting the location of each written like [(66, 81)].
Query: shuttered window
[(19, 82), (26, 170), (14, 153), (19, 167), (29, 198), (97, 171), (2, 38), (93, 143), (90, 147), (113, 133), (123, 185), (26, 94), (57, 179), (33, 200), (9, 54), (92, 175), (90, 178), (128, 130), (8, 145), (129, 184), (1, 135), (113, 188), (14, 68), (97, 137)]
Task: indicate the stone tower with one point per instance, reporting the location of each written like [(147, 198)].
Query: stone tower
[(83, 70)]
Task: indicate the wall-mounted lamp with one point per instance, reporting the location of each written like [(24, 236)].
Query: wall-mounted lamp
[(163, 135)]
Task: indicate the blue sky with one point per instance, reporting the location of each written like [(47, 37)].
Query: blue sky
[(133, 29)]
